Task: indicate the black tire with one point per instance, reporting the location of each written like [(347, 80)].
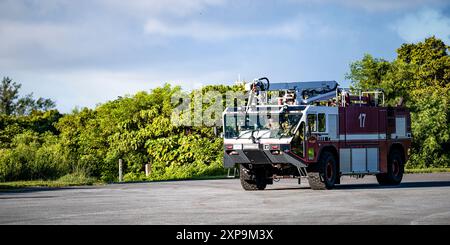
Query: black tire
[(249, 183), (395, 170), (326, 176), (382, 179)]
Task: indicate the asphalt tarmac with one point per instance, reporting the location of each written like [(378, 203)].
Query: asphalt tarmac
[(420, 199)]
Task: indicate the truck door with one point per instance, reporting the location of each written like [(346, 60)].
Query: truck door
[(298, 143)]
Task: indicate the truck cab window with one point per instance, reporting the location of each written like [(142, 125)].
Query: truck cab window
[(322, 122), (312, 122)]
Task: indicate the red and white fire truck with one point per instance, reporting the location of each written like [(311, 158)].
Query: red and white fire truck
[(314, 130)]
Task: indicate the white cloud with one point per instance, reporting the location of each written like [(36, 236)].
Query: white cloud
[(294, 29), (45, 43), (84, 52), (40, 35), (378, 5), (89, 87), (426, 23), (133, 8), (145, 8), (388, 5), (208, 31)]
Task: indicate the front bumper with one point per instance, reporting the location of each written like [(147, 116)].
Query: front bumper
[(259, 157)]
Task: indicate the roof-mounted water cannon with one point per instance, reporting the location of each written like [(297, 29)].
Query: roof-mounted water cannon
[(260, 84), (257, 92)]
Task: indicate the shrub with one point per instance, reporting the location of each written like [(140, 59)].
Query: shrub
[(77, 178)]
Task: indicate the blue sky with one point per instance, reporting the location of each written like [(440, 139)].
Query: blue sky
[(81, 53)]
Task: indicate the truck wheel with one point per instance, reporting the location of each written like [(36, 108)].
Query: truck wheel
[(249, 183), (395, 170), (327, 174)]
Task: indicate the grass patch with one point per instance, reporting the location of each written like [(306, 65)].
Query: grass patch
[(74, 179), (426, 170)]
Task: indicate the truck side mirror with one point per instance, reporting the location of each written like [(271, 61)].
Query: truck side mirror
[(218, 133)]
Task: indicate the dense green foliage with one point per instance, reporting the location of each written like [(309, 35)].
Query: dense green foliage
[(137, 129), (421, 76)]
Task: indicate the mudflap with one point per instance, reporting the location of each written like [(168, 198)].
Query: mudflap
[(228, 162)]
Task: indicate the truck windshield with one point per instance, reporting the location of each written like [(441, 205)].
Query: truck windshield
[(273, 125)]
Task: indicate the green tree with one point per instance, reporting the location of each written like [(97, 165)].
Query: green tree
[(9, 92), (430, 122), (368, 72), (421, 75), (418, 65), (27, 104), (10, 103)]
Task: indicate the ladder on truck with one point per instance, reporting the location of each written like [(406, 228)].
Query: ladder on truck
[(233, 174)]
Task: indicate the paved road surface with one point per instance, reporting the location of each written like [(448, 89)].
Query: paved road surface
[(420, 199)]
